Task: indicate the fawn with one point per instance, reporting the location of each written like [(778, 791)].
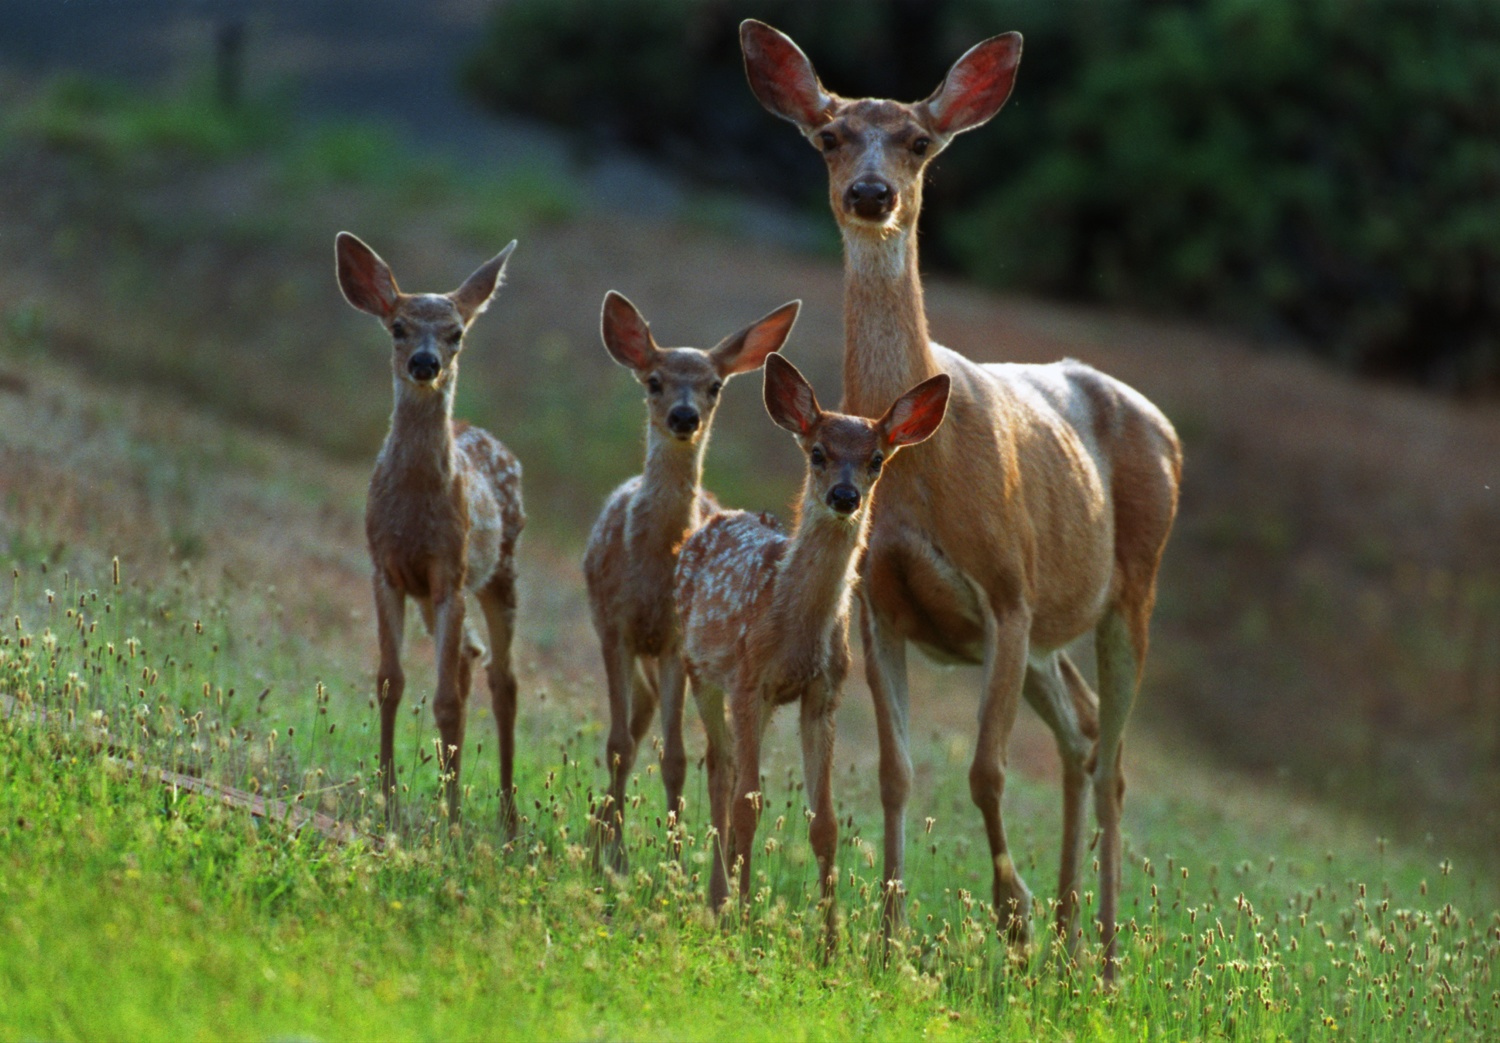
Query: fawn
[(765, 617), (443, 516), (1040, 513), (633, 548)]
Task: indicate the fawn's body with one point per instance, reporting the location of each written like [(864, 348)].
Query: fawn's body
[(632, 551), (1039, 513), (766, 616), (443, 516)]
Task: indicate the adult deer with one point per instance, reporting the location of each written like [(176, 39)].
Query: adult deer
[(1040, 512), (633, 548), (443, 515), (765, 617)]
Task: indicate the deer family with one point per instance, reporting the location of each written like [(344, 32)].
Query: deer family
[(443, 515), (632, 551), (1039, 513), (765, 617)]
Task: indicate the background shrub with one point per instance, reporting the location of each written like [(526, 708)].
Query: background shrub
[(1325, 170)]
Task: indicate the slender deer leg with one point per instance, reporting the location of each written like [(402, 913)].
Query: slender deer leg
[(721, 779), (390, 682), (619, 670), (672, 679), (885, 670), (1050, 683), (1118, 673), (454, 674), (498, 602), (744, 813), (1005, 666), (643, 699), (823, 831)]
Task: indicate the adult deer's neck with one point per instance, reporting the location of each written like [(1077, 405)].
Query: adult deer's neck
[(420, 443), (886, 349), (667, 502)]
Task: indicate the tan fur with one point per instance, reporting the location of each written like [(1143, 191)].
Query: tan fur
[(442, 519), (765, 621), (1072, 475), (632, 551)]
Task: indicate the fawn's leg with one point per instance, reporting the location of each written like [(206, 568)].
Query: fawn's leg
[(390, 682), (823, 830), (1006, 628), (672, 683), (454, 676), (744, 813), (1053, 690), (619, 750), (721, 779), (885, 670), (1119, 672), (498, 603)]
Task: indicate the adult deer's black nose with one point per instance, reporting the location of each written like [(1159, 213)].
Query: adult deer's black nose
[(682, 420), (871, 198), (843, 498), (424, 366)]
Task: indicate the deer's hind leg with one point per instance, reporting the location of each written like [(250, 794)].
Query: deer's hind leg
[(497, 600)]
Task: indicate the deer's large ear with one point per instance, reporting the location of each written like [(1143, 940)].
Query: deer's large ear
[(746, 350), (366, 280), (474, 295), (789, 397), (977, 85), (914, 416), (781, 76), (627, 335)]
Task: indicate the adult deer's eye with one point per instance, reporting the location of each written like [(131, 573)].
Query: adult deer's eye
[(715, 388), (817, 457), (875, 463), (653, 385), (921, 145), (828, 141)]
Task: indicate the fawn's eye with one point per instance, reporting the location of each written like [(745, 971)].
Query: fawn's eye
[(398, 329), (715, 388), (454, 336), (817, 457), (653, 385), (920, 146), (828, 141), (875, 463)]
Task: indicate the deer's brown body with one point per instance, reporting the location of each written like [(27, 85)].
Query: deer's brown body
[(443, 516), (632, 551), (1039, 513), (766, 616)]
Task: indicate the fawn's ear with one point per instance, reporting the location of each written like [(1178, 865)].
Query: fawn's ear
[(474, 295), (977, 85), (627, 336), (366, 280), (914, 416), (746, 350), (781, 76), (789, 397)]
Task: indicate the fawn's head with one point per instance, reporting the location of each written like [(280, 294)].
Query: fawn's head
[(877, 150), (427, 329), (845, 454), (683, 384)]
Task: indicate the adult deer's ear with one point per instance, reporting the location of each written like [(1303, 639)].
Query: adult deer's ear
[(781, 76), (474, 295), (914, 416), (977, 86), (789, 397), (746, 350), (366, 280), (627, 335)]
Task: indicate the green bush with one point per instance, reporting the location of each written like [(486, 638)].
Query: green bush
[(1319, 169)]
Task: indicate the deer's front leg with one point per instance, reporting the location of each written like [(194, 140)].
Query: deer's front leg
[(672, 682), (823, 830), (390, 681), (454, 675), (721, 780), (744, 816), (885, 670)]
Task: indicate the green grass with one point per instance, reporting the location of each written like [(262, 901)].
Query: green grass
[(206, 923)]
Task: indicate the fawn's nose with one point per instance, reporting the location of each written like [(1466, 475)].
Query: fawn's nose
[(871, 198), (682, 420), (424, 366), (843, 498)]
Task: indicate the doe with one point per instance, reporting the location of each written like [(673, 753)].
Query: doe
[(632, 551), (766, 617), (443, 515)]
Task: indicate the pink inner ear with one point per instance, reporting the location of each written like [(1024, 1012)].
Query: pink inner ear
[(978, 85), (781, 76), (626, 334), (915, 417), (369, 285)]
